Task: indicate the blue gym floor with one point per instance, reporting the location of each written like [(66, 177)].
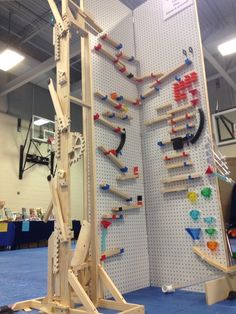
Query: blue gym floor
[(23, 276)]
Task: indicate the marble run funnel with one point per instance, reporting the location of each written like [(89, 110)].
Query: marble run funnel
[(195, 233)]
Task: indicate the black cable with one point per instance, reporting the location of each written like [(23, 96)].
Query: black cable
[(200, 128), (122, 142)]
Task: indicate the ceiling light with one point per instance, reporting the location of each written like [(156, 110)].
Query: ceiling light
[(228, 47), (9, 58), (41, 121)]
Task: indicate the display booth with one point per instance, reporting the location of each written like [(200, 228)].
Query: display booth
[(152, 201)]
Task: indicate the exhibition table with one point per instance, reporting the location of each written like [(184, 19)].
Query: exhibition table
[(16, 233)]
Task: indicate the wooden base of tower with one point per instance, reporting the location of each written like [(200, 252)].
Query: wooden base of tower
[(218, 289)]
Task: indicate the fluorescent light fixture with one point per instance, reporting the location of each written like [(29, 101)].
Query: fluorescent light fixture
[(41, 121), (228, 47), (9, 58)]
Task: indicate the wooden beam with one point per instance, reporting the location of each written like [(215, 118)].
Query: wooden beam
[(126, 207), (213, 262), (158, 119), (175, 189), (107, 282), (181, 177), (82, 295), (113, 158), (82, 245), (115, 191), (180, 108)]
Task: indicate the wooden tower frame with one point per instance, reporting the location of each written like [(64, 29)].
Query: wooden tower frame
[(74, 277)]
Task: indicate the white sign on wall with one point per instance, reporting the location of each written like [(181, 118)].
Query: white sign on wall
[(171, 7)]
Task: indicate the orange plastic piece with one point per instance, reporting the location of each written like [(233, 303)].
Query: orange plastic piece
[(212, 245), (114, 96)]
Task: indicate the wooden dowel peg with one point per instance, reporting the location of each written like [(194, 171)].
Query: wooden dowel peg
[(110, 101), (162, 107), (127, 177), (121, 194), (121, 116), (188, 163), (172, 72), (126, 207), (179, 109), (111, 253), (176, 155), (158, 119), (188, 126), (107, 123), (111, 42), (183, 177), (114, 159), (187, 116), (176, 189), (105, 53)]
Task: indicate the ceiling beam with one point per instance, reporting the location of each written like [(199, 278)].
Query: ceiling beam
[(216, 76), (219, 68), (32, 74)]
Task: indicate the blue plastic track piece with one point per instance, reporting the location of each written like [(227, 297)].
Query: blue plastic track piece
[(106, 187), (104, 98), (122, 251), (125, 169), (177, 78), (125, 118), (142, 97), (188, 61), (119, 46), (119, 98), (189, 177), (186, 164), (157, 88), (160, 144), (112, 115), (131, 59)]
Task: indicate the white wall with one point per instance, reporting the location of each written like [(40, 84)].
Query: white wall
[(33, 190)]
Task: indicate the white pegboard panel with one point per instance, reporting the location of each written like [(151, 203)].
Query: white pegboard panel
[(159, 46), (129, 271)]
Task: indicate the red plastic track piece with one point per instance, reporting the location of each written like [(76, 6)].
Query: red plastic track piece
[(173, 130), (135, 171), (137, 102), (188, 116), (116, 61), (111, 151), (167, 158), (139, 80), (104, 37), (96, 116), (117, 130), (194, 76), (209, 170), (98, 47), (172, 121), (103, 258), (106, 223), (119, 54), (193, 91), (119, 106), (194, 101), (185, 154), (122, 70)]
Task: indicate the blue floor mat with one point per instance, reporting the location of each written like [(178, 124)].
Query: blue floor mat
[(23, 275)]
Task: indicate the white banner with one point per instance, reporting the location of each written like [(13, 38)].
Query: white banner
[(171, 7)]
